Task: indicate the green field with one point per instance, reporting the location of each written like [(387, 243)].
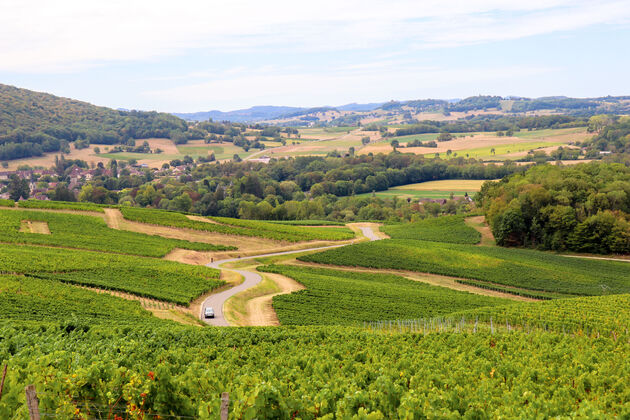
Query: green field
[(500, 149), (492, 266), (431, 189), (159, 279), (451, 229), (241, 227), (89, 232), (345, 298)]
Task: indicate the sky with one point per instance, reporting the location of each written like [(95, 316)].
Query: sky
[(187, 56)]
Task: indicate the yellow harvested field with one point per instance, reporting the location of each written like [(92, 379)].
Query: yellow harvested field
[(167, 146), (444, 185)]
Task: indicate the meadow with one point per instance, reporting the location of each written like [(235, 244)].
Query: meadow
[(442, 189)]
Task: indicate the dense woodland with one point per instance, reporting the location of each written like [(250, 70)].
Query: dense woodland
[(583, 208), (33, 123)]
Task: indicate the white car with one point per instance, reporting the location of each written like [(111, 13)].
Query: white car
[(208, 313)]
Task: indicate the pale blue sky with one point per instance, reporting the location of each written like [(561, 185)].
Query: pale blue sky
[(199, 55)]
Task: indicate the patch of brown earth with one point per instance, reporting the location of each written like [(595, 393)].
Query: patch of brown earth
[(260, 310), (32, 226), (479, 224)]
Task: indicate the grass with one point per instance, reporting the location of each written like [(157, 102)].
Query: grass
[(525, 269), (336, 297), (451, 229), (500, 149), (432, 189)]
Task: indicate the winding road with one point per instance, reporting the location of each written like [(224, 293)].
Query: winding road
[(252, 278)]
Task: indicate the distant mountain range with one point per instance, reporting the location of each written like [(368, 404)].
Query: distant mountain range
[(263, 113)]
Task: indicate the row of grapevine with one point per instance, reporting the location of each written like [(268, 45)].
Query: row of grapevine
[(335, 297), (524, 269), (239, 227), (62, 205), (451, 229), (89, 232), (159, 279), (313, 372)]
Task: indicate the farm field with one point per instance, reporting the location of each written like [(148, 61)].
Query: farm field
[(346, 298), (432, 189), (490, 266), (480, 145)]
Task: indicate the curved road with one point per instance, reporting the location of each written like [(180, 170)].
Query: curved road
[(252, 278)]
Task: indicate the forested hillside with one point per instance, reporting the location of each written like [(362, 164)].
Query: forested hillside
[(32, 123), (584, 208)]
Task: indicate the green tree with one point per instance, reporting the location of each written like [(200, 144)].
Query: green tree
[(18, 188)]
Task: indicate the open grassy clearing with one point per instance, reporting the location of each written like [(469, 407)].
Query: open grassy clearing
[(432, 189), (343, 297), (86, 232), (480, 145), (162, 280), (491, 267)]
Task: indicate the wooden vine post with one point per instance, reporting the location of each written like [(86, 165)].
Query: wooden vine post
[(225, 405), (32, 402)]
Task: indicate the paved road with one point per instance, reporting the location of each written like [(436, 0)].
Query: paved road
[(252, 278)]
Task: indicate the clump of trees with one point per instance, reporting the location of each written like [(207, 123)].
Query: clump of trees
[(582, 208)]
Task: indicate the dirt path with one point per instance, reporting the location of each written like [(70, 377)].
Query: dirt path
[(160, 309), (479, 224), (432, 279), (112, 218), (260, 310)]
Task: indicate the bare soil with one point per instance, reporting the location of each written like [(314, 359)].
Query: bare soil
[(479, 223), (260, 310), (31, 226)]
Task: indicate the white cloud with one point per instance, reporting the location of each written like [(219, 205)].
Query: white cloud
[(333, 87), (43, 36)]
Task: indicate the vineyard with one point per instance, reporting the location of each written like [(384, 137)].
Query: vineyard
[(345, 298), (518, 268), (88, 232), (229, 226), (451, 229), (62, 205), (6, 203), (43, 300), (159, 279), (312, 372)]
